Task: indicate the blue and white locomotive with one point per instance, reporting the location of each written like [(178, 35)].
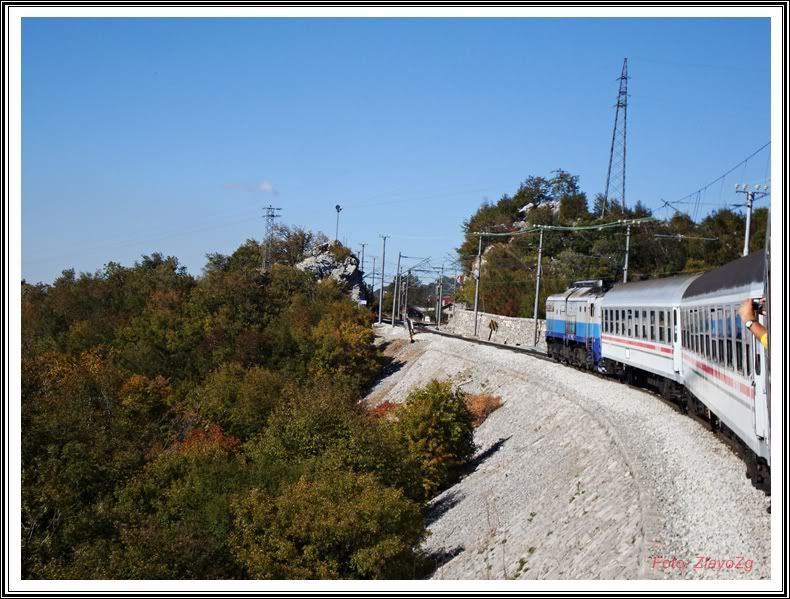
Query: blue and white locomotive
[(683, 337), (573, 324)]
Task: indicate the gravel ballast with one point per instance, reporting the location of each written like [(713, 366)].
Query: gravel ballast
[(581, 477)]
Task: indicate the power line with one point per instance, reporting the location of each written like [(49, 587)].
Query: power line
[(598, 227), (722, 176)]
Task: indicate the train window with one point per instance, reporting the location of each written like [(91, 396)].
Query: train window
[(636, 324), (674, 319), (685, 328), (697, 333), (617, 322), (738, 356), (660, 324), (630, 322), (683, 332), (622, 322), (748, 358), (720, 333), (728, 332), (691, 329), (644, 324), (756, 364), (738, 343), (706, 317), (652, 325), (592, 310), (669, 327)]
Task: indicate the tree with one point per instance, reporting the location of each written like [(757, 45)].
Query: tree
[(173, 517), (728, 229), (329, 525), (239, 399), (437, 427)]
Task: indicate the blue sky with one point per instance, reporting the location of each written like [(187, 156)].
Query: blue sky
[(170, 135)]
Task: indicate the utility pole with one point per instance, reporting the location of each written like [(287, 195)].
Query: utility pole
[(537, 288), (406, 299), (627, 247), (441, 281), (269, 214), (383, 264), (337, 222), (395, 290), (455, 290), (362, 266), (477, 277), (373, 275), (404, 287), (751, 195)]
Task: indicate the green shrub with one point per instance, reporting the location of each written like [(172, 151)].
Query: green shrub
[(339, 251), (328, 525), (437, 427), (238, 399)]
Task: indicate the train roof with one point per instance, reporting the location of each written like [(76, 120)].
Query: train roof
[(654, 292), (580, 289), (743, 272)]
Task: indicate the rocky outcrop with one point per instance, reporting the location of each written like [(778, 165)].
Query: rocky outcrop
[(333, 260)]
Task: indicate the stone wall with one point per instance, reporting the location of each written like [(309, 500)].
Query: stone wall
[(509, 330)]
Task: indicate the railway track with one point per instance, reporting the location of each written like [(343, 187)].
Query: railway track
[(535, 353)]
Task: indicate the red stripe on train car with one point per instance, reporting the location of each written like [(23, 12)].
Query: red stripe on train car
[(746, 390), (640, 344)]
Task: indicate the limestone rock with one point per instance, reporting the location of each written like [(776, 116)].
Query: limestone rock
[(333, 260)]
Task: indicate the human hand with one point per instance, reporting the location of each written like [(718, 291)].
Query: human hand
[(746, 310)]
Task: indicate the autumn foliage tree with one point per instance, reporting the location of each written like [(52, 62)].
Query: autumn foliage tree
[(159, 409), (658, 248), (437, 427)]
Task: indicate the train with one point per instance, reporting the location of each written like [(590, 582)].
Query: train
[(682, 337)]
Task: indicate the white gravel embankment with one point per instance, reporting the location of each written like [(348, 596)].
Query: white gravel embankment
[(581, 477)]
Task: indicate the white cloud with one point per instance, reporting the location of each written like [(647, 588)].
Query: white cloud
[(265, 186)]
